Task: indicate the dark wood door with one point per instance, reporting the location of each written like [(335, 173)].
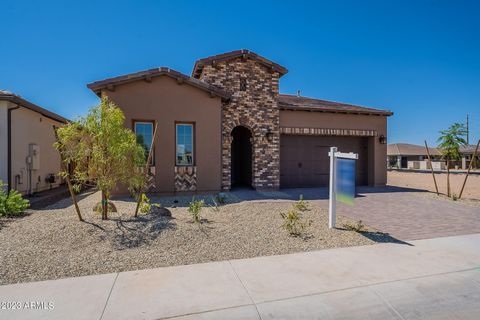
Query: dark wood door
[(304, 160)]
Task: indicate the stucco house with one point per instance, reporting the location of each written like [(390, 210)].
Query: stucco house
[(412, 156), (227, 124), (28, 161)]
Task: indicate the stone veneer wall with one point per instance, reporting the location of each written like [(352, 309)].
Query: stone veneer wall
[(255, 108)]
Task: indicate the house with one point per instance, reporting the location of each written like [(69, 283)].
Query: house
[(412, 156), (467, 153), (227, 125), (28, 161)]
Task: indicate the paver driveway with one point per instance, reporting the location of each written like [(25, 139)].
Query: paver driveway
[(405, 214), (409, 216)]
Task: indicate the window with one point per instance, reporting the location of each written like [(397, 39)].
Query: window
[(144, 132), (243, 84), (184, 143)]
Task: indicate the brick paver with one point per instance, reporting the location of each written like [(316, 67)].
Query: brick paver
[(404, 213), (411, 216)]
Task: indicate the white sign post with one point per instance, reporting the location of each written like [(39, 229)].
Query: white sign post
[(332, 203)]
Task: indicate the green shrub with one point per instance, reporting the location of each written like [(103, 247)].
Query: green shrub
[(11, 202), (145, 205), (301, 204), (293, 222), (194, 208)]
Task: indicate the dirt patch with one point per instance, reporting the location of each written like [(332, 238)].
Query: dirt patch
[(424, 181)]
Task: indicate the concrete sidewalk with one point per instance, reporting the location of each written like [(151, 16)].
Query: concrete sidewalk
[(429, 279)]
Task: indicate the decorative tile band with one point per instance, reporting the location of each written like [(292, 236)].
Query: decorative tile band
[(185, 178), (329, 132)]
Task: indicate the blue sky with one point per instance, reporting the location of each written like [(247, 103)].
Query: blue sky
[(420, 59)]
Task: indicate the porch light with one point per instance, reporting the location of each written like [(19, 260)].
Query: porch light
[(269, 135), (382, 139)]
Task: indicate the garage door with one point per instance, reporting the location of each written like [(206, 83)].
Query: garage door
[(304, 160)]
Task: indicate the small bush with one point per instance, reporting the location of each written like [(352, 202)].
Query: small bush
[(301, 204), (11, 202), (194, 208), (454, 197), (145, 205), (357, 226), (293, 222)]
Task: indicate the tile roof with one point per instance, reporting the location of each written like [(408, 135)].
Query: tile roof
[(406, 149), (147, 75), (9, 96), (244, 53), (292, 102)]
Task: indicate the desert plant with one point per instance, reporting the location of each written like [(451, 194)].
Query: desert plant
[(11, 202), (101, 150), (450, 141), (301, 204), (358, 226), (145, 205), (194, 207), (293, 222)]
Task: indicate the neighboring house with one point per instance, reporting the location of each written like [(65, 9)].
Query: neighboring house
[(411, 156), (467, 155), (28, 161), (228, 125)]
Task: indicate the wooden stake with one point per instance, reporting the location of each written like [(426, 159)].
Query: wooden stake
[(67, 178), (469, 168), (431, 167), (147, 169)]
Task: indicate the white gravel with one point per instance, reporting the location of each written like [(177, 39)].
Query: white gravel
[(52, 243)]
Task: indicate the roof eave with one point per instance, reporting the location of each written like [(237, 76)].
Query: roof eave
[(314, 109), (33, 107), (147, 75)]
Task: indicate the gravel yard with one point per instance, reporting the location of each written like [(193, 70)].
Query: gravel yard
[(51, 243)]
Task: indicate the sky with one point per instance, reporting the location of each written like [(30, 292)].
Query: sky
[(419, 59)]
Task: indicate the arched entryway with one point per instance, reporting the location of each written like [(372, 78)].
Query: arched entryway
[(241, 164)]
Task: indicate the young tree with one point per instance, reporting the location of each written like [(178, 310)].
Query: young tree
[(449, 144), (102, 150)]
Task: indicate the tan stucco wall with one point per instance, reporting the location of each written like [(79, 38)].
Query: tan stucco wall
[(377, 151), (3, 141), (167, 102), (31, 127)]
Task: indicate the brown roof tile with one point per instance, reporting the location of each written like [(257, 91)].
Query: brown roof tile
[(244, 53), (292, 102), (97, 86)]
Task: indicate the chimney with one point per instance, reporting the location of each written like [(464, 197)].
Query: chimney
[(298, 93)]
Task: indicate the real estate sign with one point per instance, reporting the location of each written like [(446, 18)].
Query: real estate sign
[(342, 181), (345, 180)]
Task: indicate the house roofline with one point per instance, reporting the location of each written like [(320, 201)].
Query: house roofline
[(31, 106), (244, 54), (147, 75)]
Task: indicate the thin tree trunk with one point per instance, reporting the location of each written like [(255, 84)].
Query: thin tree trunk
[(67, 178), (104, 206), (448, 177), (431, 167), (469, 168)]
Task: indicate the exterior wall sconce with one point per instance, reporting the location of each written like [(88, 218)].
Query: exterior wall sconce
[(382, 139), (269, 135)]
